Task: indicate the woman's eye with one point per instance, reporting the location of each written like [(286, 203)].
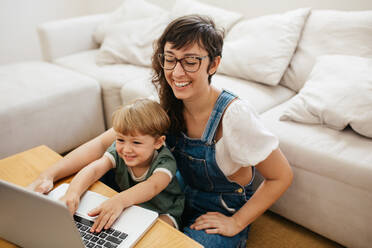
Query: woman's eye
[(191, 61), (168, 58)]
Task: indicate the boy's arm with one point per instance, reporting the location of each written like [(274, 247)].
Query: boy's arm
[(73, 162), (146, 190), (110, 210), (83, 179)]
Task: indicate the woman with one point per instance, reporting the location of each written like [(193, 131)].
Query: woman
[(216, 138)]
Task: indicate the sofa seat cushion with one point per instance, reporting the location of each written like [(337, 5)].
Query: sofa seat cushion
[(114, 79), (340, 155), (262, 97), (44, 104)]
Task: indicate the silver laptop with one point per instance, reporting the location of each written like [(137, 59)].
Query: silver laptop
[(31, 219)]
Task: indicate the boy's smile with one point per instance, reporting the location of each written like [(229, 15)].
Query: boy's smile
[(137, 150)]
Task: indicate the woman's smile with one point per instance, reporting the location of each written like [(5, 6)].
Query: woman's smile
[(181, 84)]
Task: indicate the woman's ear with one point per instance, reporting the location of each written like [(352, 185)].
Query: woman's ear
[(159, 142), (214, 65)]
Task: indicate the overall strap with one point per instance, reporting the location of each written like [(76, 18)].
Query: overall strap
[(221, 104)]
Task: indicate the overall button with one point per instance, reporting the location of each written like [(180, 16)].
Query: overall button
[(240, 190)]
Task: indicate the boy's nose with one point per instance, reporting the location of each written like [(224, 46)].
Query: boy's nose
[(127, 148)]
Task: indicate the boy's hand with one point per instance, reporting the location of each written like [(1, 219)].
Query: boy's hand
[(41, 184), (71, 200), (107, 213)]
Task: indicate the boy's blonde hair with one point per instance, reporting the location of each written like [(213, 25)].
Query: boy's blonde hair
[(143, 116)]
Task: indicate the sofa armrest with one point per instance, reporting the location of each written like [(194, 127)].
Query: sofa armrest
[(65, 37)]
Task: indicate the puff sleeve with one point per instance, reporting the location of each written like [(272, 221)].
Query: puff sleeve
[(245, 138)]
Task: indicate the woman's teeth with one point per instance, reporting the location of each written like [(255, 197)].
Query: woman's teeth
[(181, 84)]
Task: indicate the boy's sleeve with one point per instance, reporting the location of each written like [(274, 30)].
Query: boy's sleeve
[(167, 165), (112, 154)]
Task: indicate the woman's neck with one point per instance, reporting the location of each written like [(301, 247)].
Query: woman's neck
[(201, 105)]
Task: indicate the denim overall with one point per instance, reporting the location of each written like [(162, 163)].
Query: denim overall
[(206, 188)]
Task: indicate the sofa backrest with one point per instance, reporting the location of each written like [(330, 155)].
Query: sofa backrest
[(256, 48)]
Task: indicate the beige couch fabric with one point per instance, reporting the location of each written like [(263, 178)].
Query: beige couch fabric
[(44, 104)]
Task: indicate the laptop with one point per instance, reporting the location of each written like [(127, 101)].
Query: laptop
[(34, 220)]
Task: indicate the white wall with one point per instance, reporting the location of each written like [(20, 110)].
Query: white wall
[(19, 18)]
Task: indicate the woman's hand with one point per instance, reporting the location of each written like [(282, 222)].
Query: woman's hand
[(42, 184), (217, 223), (71, 200), (107, 213)]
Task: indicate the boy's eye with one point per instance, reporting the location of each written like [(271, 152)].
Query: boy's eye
[(120, 140), (137, 142)]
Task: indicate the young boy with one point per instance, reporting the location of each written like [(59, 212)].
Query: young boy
[(144, 168)]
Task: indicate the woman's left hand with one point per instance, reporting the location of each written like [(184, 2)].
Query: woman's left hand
[(217, 223)]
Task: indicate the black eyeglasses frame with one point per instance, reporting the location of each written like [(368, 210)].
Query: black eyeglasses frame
[(161, 61)]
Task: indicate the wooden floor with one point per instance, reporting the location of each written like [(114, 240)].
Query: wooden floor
[(274, 231)]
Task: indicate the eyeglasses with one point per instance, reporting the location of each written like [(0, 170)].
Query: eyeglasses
[(188, 63)]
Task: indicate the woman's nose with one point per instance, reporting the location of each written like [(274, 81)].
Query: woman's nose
[(178, 69)]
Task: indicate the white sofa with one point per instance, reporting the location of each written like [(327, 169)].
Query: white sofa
[(45, 104), (332, 189)]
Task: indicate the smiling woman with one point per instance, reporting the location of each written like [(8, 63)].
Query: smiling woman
[(207, 135)]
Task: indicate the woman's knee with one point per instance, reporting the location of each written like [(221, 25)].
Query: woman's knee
[(215, 240)]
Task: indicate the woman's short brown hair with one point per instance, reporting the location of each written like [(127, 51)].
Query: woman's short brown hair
[(143, 116)]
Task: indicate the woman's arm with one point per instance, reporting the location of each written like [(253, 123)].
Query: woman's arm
[(74, 161), (83, 179), (278, 177), (110, 210)]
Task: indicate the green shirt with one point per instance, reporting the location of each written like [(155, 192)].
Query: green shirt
[(171, 200)]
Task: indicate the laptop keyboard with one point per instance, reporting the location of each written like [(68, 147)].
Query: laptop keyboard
[(109, 238)]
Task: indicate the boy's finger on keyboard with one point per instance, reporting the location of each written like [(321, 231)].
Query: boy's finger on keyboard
[(104, 220), (111, 221)]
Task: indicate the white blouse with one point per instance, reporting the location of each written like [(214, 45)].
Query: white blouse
[(245, 141)]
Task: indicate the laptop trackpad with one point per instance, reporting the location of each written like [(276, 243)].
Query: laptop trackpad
[(89, 200)]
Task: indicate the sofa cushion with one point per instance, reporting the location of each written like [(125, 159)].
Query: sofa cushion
[(44, 104), (223, 18), (130, 10), (262, 97), (338, 93), (129, 33), (131, 42), (261, 48), (340, 155), (113, 79), (329, 32)]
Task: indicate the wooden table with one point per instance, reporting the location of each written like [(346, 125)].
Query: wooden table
[(24, 167)]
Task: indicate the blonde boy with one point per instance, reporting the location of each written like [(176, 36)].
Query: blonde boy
[(144, 168)]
